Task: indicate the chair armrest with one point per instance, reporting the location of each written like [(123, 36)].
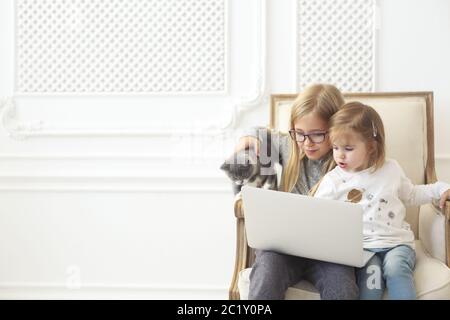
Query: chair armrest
[(444, 211), (447, 230), (447, 210), (238, 207), (244, 254), (432, 231)]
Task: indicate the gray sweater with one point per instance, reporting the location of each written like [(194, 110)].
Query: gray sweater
[(280, 144)]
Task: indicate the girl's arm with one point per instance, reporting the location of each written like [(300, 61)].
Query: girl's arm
[(416, 195), (267, 143)]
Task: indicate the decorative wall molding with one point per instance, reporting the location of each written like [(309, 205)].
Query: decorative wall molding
[(106, 156), (167, 190), (259, 94), (336, 43), (114, 46), (20, 130), (128, 156), (153, 183), (15, 129)]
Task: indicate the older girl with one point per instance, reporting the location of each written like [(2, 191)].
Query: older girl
[(305, 156)]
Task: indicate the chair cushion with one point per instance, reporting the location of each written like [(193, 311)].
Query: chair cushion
[(432, 279), (432, 232)]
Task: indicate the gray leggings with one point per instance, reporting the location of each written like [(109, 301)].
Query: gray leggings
[(273, 273)]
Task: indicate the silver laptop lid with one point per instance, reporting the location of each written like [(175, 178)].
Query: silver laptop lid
[(320, 229)]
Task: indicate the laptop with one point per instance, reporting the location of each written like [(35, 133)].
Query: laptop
[(320, 229)]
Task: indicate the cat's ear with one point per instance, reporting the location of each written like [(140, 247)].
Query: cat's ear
[(225, 166)]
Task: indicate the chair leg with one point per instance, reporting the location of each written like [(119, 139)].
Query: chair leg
[(241, 261), (447, 231)]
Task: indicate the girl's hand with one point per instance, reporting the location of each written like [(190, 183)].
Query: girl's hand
[(444, 197), (249, 142)]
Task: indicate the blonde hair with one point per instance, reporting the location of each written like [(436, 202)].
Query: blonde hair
[(355, 117), (322, 100)]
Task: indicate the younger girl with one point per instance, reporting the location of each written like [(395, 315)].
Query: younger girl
[(305, 156), (362, 175)]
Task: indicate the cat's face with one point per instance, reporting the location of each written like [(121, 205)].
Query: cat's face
[(241, 166)]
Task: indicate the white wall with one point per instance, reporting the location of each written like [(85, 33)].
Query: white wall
[(122, 195), (414, 46)]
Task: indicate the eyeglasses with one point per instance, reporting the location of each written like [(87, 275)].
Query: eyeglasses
[(316, 137)]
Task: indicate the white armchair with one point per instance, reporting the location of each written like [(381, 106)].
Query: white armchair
[(408, 120)]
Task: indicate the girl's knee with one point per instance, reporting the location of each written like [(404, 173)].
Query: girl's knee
[(399, 261), (270, 258), (397, 267), (338, 282), (351, 291), (342, 290)]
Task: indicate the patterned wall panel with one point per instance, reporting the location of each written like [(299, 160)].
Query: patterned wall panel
[(336, 43), (121, 46)]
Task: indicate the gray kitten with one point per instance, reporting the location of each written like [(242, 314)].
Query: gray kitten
[(245, 168)]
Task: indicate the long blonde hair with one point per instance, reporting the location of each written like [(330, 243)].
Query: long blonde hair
[(355, 117), (323, 100)]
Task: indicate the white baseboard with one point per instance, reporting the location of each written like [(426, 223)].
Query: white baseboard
[(110, 292)]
